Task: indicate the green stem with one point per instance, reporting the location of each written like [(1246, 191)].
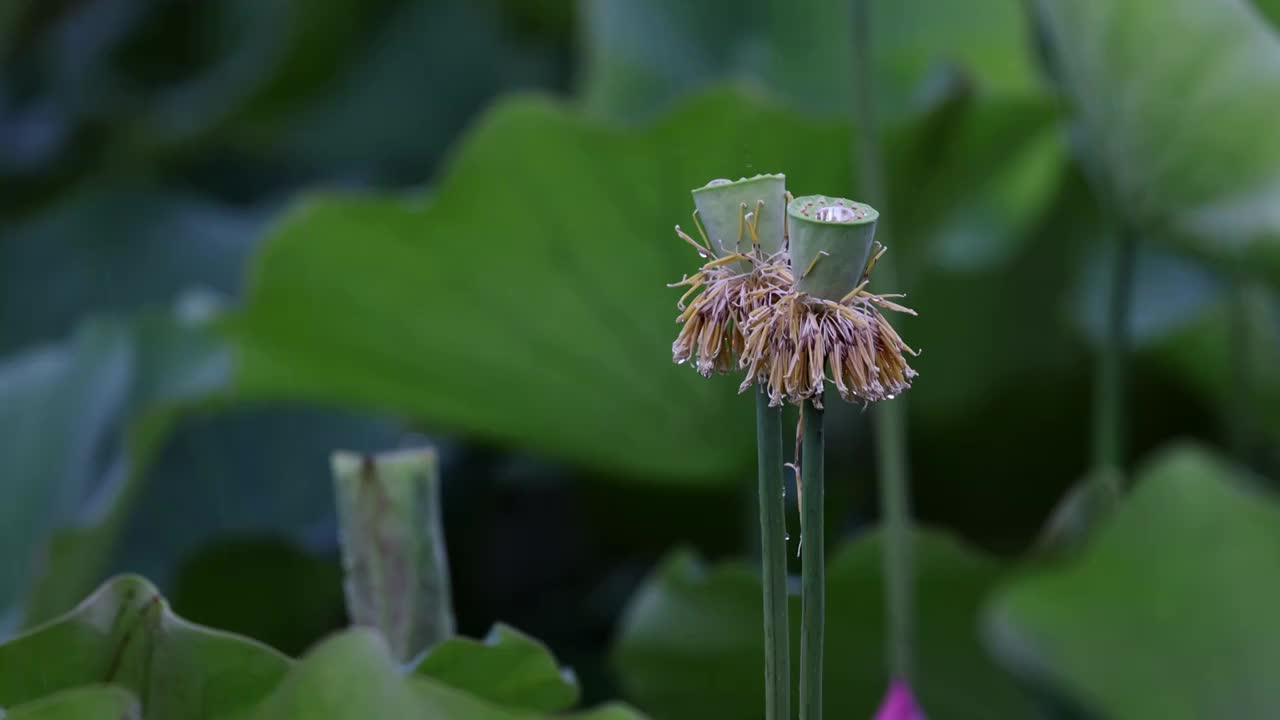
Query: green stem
[(890, 417), (895, 517), (813, 569), (1111, 384), (392, 537), (773, 541)]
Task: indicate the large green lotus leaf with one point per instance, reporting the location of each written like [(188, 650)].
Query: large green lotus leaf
[(1177, 101), (691, 642), (1169, 612), (642, 55), (91, 702), (352, 676), (525, 302), (508, 668), (125, 634)]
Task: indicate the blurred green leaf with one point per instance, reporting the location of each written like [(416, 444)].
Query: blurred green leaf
[(223, 62), (508, 668), (112, 249), (1206, 357), (691, 644), (92, 702), (409, 65), (63, 459), (222, 584), (113, 457), (971, 179), (1177, 100), (57, 404), (198, 475), (230, 468), (1169, 293), (125, 634), (353, 676), (526, 302), (1082, 508), (1169, 612), (642, 55), (1269, 9), (538, 267), (11, 15)]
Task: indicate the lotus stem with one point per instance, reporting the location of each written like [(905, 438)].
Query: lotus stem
[(773, 542)]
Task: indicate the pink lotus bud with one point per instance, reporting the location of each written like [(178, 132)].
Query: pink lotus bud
[(899, 704)]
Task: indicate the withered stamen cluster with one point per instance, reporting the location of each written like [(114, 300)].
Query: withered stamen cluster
[(786, 340), (712, 324), (791, 346)]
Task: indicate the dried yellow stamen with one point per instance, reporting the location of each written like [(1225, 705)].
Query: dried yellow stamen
[(792, 344), (723, 298)]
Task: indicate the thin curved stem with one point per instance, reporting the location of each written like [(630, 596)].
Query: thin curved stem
[(890, 417), (1111, 382)]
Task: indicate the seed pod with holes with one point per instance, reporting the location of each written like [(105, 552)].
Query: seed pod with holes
[(830, 244), (721, 203)]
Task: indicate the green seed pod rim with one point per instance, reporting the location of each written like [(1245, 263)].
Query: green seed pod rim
[(719, 209), (828, 256)]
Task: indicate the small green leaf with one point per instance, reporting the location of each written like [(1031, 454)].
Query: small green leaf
[(1177, 100), (1169, 612), (352, 676), (691, 645), (508, 668), (91, 702), (125, 634)]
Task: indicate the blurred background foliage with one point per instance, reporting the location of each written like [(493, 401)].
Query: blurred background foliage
[(237, 235)]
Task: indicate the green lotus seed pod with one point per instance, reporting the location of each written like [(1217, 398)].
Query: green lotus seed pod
[(720, 204), (830, 244)]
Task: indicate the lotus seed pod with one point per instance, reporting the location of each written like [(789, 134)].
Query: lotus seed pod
[(830, 244), (720, 208)]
